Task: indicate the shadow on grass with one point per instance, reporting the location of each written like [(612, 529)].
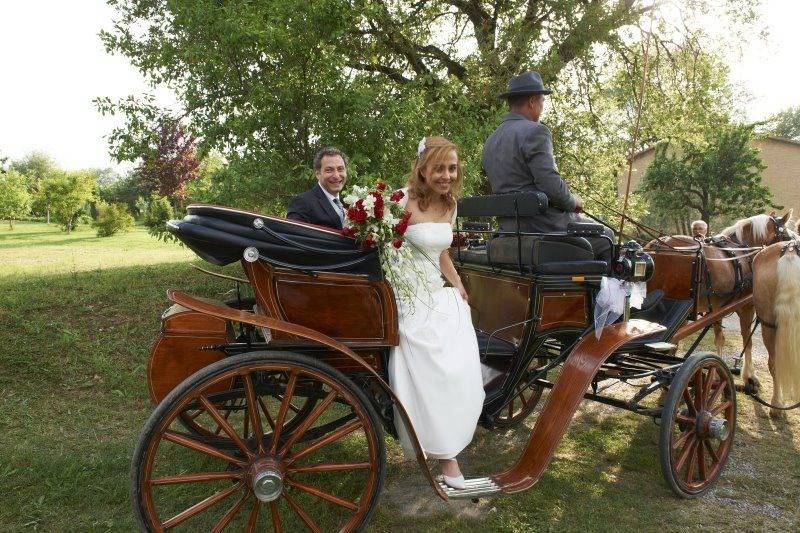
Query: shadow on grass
[(47, 243)]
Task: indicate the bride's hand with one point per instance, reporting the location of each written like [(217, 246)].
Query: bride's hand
[(463, 292)]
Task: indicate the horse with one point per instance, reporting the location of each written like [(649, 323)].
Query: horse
[(728, 278), (776, 297)]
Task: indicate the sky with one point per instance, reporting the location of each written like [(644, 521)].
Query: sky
[(52, 64)]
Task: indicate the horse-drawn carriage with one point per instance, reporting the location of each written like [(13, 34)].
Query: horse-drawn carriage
[(272, 408)]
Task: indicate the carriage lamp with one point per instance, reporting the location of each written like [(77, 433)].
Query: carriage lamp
[(633, 263)]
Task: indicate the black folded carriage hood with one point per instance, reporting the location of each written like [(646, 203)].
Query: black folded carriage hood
[(221, 234)]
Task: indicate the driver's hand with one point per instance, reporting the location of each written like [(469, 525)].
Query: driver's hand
[(578, 203)]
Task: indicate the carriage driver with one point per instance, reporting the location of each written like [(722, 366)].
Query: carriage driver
[(518, 157)]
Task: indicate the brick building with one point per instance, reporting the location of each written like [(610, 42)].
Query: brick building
[(782, 175)]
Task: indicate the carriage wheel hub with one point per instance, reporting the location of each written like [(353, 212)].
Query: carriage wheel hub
[(266, 480), (711, 426)]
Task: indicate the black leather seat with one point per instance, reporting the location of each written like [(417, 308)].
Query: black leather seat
[(550, 254)]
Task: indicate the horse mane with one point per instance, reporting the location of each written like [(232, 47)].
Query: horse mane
[(758, 224)]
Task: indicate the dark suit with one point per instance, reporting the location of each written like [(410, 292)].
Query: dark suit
[(314, 207), (518, 157)]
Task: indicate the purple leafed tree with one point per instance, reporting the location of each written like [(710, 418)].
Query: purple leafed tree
[(172, 164)]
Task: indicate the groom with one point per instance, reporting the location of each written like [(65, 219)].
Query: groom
[(321, 204)]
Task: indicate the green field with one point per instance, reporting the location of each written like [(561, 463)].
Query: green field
[(77, 316)]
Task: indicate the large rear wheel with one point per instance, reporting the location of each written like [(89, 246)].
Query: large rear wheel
[(261, 473), (698, 421)]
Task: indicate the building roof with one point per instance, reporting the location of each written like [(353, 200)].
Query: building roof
[(768, 137)]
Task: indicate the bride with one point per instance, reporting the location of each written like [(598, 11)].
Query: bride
[(435, 370)]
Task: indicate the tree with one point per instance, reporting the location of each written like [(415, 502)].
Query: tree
[(112, 218), (171, 163), (67, 194), (785, 124), (15, 200), (159, 211), (37, 166), (267, 83), (720, 178)]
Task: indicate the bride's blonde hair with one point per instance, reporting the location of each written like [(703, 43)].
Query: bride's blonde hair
[(435, 152)]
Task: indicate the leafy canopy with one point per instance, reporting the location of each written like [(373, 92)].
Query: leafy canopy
[(67, 194), (15, 200)]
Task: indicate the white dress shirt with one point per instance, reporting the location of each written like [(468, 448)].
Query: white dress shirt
[(339, 209)]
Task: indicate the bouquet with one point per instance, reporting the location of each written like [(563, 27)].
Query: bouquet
[(375, 218)]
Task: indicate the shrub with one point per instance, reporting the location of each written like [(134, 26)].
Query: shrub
[(159, 211), (112, 218)]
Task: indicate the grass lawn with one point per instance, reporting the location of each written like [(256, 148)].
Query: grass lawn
[(77, 316)]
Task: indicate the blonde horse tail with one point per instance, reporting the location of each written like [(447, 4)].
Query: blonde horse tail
[(787, 336)]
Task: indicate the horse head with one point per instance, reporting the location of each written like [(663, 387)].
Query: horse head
[(762, 230)]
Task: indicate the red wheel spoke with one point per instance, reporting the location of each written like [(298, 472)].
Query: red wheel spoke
[(721, 407), (252, 411), (324, 495), (689, 403), (195, 414), (227, 517), (685, 453), (252, 520), (225, 425), (511, 409), (698, 390), (711, 451), (286, 400), (685, 419), (682, 438), (310, 419), (270, 421), (692, 461), (302, 514), (715, 395), (324, 441), (200, 447), (292, 406), (201, 506), (195, 478), (276, 518), (710, 381), (329, 467), (701, 461)]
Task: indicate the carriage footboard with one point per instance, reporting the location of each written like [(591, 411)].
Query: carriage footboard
[(579, 368)]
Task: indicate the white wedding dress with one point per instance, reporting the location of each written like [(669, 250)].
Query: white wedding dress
[(435, 370)]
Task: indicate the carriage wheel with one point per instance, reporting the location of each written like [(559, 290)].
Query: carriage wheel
[(326, 473), (524, 401), (698, 421), (201, 423)]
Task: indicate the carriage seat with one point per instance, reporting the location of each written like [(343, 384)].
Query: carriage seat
[(541, 254)]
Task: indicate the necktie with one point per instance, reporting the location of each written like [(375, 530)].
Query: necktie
[(339, 209)]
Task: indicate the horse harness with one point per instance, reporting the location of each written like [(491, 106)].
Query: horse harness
[(730, 245)]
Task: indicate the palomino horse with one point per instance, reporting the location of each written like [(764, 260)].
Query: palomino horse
[(776, 296), (729, 278)]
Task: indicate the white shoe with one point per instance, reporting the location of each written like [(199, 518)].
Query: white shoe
[(455, 482)]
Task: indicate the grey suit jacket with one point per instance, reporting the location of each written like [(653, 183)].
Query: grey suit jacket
[(518, 157)]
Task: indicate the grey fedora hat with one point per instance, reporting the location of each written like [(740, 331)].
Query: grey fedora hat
[(526, 83)]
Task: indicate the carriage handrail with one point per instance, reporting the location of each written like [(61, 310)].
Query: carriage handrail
[(258, 224), (311, 270)]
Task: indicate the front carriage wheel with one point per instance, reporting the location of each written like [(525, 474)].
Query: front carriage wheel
[(698, 421), (323, 474)]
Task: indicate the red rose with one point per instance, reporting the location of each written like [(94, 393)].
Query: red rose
[(401, 227), (349, 231), (381, 186), (397, 195), (369, 240), (397, 243), (378, 205)]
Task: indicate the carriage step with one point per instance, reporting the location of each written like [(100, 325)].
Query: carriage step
[(476, 488), (661, 346)]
